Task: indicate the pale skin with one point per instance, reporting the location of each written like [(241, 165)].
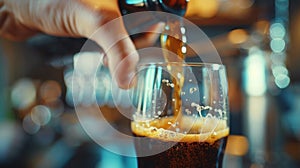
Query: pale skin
[(22, 19)]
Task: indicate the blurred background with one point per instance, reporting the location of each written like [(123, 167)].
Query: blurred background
[(259, 42)]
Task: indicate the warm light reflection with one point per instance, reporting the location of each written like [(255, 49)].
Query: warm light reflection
[(242, 3), (203, 8), (238, 36), (210, 8), (235, 8), (237, 145), (262, 26), (50, 91)]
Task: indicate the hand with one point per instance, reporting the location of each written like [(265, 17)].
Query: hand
[(20, 19)]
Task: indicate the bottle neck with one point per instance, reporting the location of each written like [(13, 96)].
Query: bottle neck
[(177, 7)]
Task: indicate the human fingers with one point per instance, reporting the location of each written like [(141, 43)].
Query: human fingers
[(82, 18)]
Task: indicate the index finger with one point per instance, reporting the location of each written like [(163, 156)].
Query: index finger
[(121, 53)]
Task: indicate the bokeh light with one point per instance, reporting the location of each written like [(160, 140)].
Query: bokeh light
[(262, 26), (203, 8), (29, 126), (279, 69), (238, 36), (255, 73), (237, 145), (282, 81), (277, 45), (56, 108), (40, 115), (50, 91), (23, 93), (277, 31)]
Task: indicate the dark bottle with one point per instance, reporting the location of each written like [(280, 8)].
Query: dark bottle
[(177, 7)]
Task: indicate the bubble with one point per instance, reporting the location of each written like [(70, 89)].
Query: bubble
[(200, 108), (171, 85), (165, 81), (155, 116), (192, 90), (184, 39), (188, 111), (221, 112), (159, 102), (153, 129), (210, 116), (174, 125), (183, 30), (168, 83), (179, 75), (167, 27), (183, 49)]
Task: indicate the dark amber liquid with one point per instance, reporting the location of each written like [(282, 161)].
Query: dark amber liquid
[(171, 149), (182, 154)]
